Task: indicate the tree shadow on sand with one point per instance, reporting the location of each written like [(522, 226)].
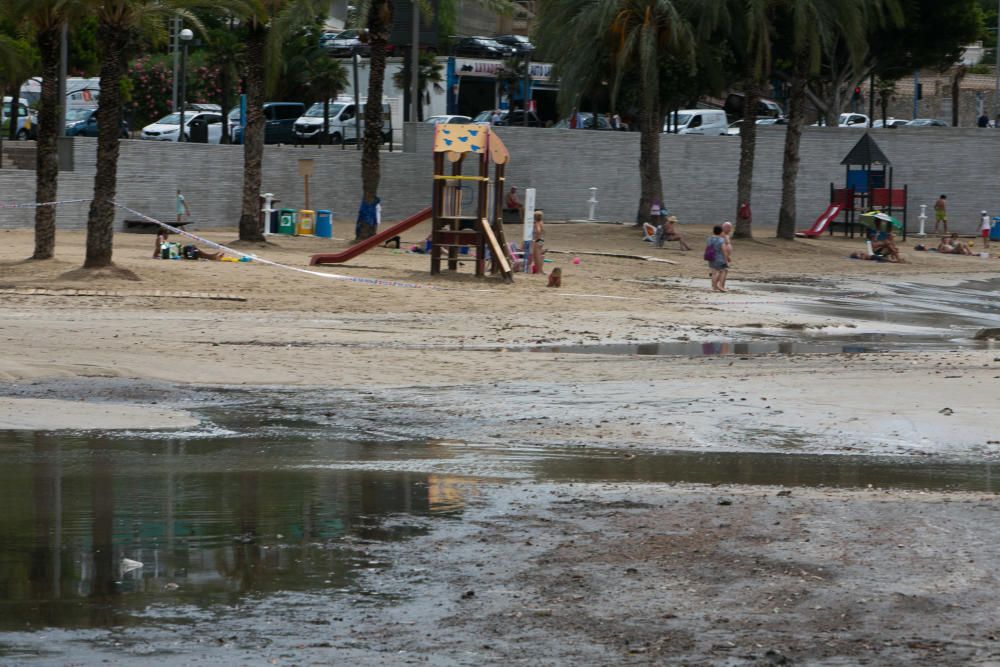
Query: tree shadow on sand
[(104, 273)]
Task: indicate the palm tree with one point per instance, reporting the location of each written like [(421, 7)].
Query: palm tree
[(428, 73), (119, 22), (377, 17), (752, 37), (326, 79), (225, 51), (47, 18), (269, 22), (578, 34), (812, 28)]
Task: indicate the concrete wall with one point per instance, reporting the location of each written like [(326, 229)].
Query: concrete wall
[(699, 175)]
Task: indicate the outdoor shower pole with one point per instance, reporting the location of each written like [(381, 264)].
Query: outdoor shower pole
[(996, 90)]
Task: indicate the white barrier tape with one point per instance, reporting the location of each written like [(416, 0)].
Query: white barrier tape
[(41, 204), (376, 282), (379, 282)]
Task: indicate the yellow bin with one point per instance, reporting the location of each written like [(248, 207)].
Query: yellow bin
[(306, 225)]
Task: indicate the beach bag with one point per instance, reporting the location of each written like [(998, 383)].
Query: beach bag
[(710, 252)]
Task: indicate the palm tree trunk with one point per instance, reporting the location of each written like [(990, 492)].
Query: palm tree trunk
[(253, 134), (748, 149), (379, 25), (650, 126), (47, 156), (790, 168), (101, 220)]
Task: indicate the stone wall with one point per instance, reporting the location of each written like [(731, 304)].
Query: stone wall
[(699, 175)]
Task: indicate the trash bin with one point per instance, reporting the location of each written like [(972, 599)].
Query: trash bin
[(306, 223), (198, 133), (995, 229), (324, 224), (274, 222), (286, 221)]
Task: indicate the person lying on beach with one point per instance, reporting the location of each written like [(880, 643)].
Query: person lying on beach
[(194, 252), (952, 245)]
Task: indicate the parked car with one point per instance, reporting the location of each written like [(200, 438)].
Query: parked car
[(890, 122), (27, 120), (847, 119), (279, 122), (766, 108), (168, 128), (587, 123), (345, 43), (446, 120), (82, 122), (518, 43), (926, 122), (481, 47), (697, 121), (513, 118), (734, 128), (308, 127)]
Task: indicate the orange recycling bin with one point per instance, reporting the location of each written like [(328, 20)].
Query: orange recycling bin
[(306, 224)]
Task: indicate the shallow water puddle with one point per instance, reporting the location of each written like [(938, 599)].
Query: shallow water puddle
[(862, 344), (96, 530)]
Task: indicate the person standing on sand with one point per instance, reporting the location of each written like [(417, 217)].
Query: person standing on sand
[(717, 255), (941, 213), (538, 244)]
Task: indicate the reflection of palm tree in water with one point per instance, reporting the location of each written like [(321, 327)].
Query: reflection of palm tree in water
[(45, 571), (102, 534)]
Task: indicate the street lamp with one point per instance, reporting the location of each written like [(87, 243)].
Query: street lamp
[(186, 36), (526, 83), (355, 59)]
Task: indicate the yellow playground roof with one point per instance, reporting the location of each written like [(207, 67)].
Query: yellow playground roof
[(470, 138)]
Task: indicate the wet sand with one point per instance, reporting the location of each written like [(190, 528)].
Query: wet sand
[(565, 572)]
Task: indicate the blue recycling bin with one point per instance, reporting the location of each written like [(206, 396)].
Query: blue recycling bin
[(995, 229), (324, 224)]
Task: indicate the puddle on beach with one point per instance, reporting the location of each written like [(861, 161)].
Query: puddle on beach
[(222, 524)]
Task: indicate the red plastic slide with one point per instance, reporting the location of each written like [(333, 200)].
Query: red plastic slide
[(369, 243), (822, 222)]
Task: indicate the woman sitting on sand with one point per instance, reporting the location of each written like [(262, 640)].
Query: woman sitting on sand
[(887, 249)]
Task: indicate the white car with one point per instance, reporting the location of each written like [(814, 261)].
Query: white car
[(168, 127), (847, 119), (445, 120), (890, 122)]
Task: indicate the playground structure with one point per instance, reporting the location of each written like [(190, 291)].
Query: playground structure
[(868, 187), (464, 217), (456, 228)]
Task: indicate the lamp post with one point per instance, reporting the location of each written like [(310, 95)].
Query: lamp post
[(186, 36), (526, 83), (357, 101), (415, 66), (996, 90)]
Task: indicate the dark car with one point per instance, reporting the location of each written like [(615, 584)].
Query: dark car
[(82, 122), (345, 43), (513, 118), (519, 43), (481, 47), (279, 122)]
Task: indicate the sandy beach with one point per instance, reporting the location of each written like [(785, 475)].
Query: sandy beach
[(597, 573)]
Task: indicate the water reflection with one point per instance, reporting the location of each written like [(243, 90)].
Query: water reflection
[(207, 529)]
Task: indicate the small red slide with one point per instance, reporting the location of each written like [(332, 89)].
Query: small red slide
[(822, 222), (371, 242)]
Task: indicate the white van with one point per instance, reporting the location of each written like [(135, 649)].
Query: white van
[(697, 121), (309, 127)]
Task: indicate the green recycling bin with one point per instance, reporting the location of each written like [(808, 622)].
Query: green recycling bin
[(286, 221)]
